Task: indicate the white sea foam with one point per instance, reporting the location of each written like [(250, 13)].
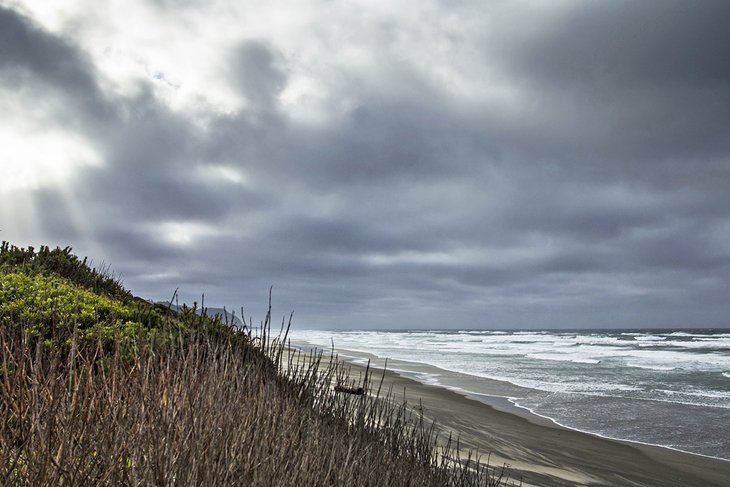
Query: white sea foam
[(588, 348), (649, 338), (422, 377), (660, 368), (504, 354), (694, 343), (586, 361)]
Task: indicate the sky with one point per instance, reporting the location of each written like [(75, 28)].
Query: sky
[(411, 164)]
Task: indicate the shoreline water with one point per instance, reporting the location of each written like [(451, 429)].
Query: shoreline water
[(612, 400), (506, 404), (539, 450)]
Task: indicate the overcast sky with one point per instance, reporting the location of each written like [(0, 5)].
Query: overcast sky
[(382, 164)]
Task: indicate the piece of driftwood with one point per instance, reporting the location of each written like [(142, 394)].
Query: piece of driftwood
[(358, 391)]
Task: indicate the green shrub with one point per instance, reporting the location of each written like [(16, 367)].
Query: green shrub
[(42, 302), (62, 263), (39, 298)]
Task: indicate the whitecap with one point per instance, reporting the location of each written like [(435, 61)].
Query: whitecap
[(660, 368), (686, 334), (586, 361), (649, 338), (549, 356)]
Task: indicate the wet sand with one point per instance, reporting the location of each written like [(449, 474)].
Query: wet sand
[(541, 453)]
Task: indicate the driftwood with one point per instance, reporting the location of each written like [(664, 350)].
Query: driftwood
[(358, 391)]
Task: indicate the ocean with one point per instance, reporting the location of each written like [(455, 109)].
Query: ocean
[(661, 387)]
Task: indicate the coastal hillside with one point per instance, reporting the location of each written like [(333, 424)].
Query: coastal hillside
[(99, 387)]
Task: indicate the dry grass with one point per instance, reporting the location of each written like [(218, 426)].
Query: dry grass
[(207, 412)]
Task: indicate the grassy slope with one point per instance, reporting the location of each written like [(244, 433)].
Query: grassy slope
[(99, 387)]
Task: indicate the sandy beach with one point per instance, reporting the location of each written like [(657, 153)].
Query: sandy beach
[(541, 453)]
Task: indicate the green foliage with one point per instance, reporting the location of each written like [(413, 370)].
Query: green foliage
[(53, 294), (42, 302), (62, 263)]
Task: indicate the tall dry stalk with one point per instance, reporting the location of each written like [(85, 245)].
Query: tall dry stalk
[(208, 411)]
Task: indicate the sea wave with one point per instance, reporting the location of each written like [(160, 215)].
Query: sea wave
[(649, 338), (659, 368), (565, 369)]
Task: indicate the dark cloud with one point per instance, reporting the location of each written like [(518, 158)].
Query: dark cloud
[(258, 72), (35, 60), (594, 193), (639, 82), (151, 172), (628, 44)]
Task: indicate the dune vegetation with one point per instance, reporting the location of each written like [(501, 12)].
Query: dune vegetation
[(98, 387)]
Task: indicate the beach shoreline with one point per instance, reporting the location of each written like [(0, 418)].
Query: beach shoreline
[(538, 450)]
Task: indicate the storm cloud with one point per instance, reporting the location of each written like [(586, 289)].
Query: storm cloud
[(432, 164)]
